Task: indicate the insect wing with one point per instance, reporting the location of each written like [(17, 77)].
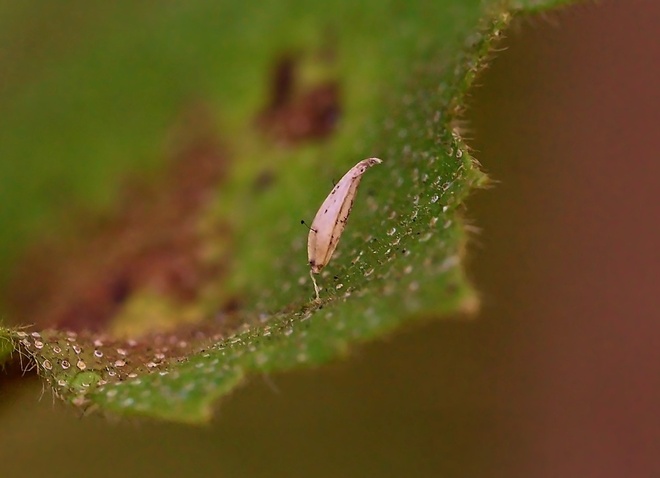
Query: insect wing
[(330, 220)]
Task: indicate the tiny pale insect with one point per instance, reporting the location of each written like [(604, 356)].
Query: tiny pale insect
[(330, 220)]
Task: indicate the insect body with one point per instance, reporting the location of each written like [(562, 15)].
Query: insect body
[(330, 220)]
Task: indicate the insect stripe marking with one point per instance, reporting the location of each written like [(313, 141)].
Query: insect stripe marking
[(331, 218)]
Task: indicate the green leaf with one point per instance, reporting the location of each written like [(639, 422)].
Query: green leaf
[(403, 71)]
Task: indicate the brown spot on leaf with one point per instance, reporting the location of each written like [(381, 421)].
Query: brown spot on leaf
[(263, 181), (282, 83), (297, 113), (152, 242)]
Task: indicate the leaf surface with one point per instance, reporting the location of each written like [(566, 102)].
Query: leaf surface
[(402, 70)]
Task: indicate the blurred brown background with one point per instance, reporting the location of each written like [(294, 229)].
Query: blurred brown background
[(560, 373)]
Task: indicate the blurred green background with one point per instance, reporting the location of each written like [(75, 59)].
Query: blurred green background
[(558, 375)]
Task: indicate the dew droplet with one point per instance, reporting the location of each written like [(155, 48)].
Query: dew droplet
[(127, 402), (425, 237)]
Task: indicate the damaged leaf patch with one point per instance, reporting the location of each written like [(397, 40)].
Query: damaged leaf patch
[(296, 112), (108, 274)]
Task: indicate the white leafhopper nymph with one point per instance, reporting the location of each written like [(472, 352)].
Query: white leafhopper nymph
[(331, 218)]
